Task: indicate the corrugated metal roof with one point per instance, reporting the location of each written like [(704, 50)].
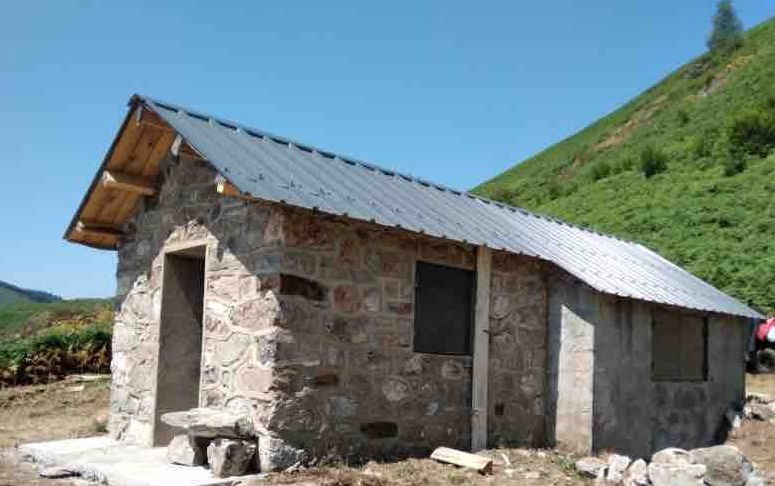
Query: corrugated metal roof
[(276, 169)]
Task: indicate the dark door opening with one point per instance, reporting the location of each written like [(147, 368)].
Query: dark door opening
[(180, 337)]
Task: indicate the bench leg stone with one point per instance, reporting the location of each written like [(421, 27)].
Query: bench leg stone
[(187, 450), (231, 457)]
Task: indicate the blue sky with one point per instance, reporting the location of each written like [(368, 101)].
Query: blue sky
[(450, 91)]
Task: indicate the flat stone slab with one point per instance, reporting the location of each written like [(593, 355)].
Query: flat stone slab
[(209, 423), (118, 464)]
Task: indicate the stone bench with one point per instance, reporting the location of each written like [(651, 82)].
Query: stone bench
[(224, 440)]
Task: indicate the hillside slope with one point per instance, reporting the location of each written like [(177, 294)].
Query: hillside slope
[(687, 168), (11, 293)]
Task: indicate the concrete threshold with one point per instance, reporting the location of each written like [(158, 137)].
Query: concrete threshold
[(113, 463)]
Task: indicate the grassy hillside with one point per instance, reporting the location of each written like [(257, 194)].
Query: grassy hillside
[(11, 293), (687, 168)]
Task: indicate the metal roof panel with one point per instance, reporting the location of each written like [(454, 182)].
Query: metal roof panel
[(276, 169)]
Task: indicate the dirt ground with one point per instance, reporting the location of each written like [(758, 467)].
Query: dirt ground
[(70, 409), (63, 410)]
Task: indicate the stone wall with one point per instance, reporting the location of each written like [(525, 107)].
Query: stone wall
[(601, 392), (308, 326), (518, 352), (351, 383), (241, 270)]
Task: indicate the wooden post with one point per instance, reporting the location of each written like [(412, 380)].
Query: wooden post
[(479, 383)]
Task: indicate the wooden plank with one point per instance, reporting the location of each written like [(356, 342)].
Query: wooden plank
[(151, 120), (481, 371), (160, 149), (95, 237), (464, 459), (142, 151), (125, 145), (106, 229), (128, 182)]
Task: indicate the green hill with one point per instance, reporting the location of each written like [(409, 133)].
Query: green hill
[(11, 293), (687, 168)]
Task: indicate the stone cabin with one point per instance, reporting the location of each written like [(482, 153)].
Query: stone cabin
[(352, 311)]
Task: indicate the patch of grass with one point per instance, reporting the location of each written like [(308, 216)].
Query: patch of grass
[(710, 212)]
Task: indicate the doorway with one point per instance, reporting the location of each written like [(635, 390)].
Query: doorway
[(180, 337)]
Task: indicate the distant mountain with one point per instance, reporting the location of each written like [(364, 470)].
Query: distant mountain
[(10, 293), (686, 168)]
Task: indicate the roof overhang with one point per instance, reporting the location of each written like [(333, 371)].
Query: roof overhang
[(128, 173)]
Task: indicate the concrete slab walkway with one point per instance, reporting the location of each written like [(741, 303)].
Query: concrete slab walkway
[(117, 464)]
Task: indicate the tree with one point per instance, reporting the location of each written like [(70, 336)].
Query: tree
[(727, 31)]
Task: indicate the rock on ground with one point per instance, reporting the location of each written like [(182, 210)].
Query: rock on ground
[(206, 422), (591, 466), (673, 474), (637, 474), (58, 472), (726, 465), (616, 466), (230, 457), (760, 411), (672, 455), (187, 451)]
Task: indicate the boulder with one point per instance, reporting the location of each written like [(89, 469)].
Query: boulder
[(666, 474), (210, 423), (187, 450), (726, 465), (637, 474), (672, 455), (591, 467), (616, 466), (231, 457)]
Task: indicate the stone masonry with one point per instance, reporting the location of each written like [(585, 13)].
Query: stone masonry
[(308, 327)]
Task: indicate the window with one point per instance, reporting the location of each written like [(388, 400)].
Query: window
[(679, 350), (444, 309)]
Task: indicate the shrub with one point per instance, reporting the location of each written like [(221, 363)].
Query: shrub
[(652, 161), (600, 170), (55, 353), (753, 132), (734, 164), (683, 117)]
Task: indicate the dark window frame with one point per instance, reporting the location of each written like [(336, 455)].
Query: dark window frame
[(425, 317), (681, 377)]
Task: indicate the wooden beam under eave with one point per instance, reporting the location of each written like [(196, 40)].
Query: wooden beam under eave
[(105, 229), (128, 182), (94, 237), (481, 367)]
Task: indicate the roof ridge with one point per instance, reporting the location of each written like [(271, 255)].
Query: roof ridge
[(385, 170)]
